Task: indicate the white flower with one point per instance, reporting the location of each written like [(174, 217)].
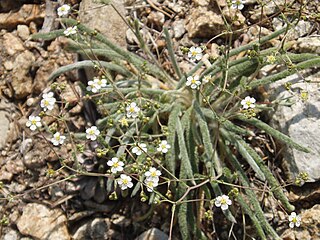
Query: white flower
[(63, 10), (48, 101), (95, 85), (206, 79), (57, 139), (116, 165), (138, 149), (237, 4), (150, 183), (248, 102), (195, 54), (163, 147), (132, 110), (193, 81), (92, 133), (294, 220), (34, 122), (125, 182), (223, 202), (153, 174), (70, 31)]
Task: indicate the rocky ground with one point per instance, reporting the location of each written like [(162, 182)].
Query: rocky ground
[(37, 203)]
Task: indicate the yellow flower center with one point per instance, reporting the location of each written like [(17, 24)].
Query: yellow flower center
[(131, 109), (193, 81), (223, 201), (91, 132), (33, 122), (125, 181), (248, 103), (194, 53), (116, 164), (153, 174)]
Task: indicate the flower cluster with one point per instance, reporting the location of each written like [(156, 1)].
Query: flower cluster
[(64, 10), (152, 178), (70, 31), (116, 165), (58, 139), (48, 101), (223, 201), (92, 133), (139, 149), (195, 54), (237, 4), (248, 103), (132, 110), (96, 84), (193, 82)]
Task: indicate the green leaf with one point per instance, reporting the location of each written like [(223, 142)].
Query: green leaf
[(48, 36), (273, 132)]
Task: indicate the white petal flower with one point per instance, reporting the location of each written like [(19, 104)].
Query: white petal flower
[(34, 122), (163, 147), (294, 219), (151, 184), (153, 174), (141, 147), (206, 79), (116, 165), (125, 182), (92, 133), (48, 101), (193, 82), (248, 102), (237, 4), (64, 10), (195, 54), (96, 84), (223, 201), (132, 110), (57, 139), (70, 31)]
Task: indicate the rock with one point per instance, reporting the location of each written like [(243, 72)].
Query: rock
[(178, 28), (308, 44), (309, 228), (26, 14), (23, 32), (156, 19), (4, 122), (105, 19), (12, 44), (40, 222), (301, 29), (270, 7), (97, 229), (301, 122), (21, 79), (11, 235), (153, 234), (8, 65), (201, 23), (131, 37), (201, 3)]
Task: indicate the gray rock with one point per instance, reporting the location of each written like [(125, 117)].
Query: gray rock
[(301, 122), (4, 122), (178, 28), (40, 222), (153, 234), (97, 229), (308, 44), (11, 235)]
